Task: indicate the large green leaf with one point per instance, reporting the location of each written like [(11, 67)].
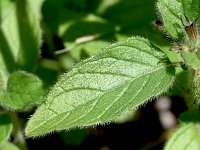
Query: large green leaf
[(186, 138), (5, 127), (23, 91), (171, 11), (19, 35), (103, 87)]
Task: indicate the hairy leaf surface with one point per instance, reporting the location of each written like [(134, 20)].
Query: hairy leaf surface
[(103, 87)]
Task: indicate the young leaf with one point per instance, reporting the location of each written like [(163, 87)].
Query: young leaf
[(186, 138), (8, 146), (20, 37), (171, 11), (23, 90), (103, 87), (5, 127)]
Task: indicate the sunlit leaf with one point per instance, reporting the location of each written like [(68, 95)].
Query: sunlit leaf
[(103, 87)]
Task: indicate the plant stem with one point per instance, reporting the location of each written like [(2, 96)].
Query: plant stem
[(192, 95), (17, 131)]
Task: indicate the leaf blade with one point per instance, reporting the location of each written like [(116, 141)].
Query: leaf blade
[(96, 89)]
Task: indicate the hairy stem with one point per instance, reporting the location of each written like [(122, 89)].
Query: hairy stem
[(193, 93)]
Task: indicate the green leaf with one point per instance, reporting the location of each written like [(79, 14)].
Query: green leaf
[(171, 11), (103, 87), (20, 37), (23, 91), (8, 146), (5, 127), (191, 59), (185, 138), (191, 9)]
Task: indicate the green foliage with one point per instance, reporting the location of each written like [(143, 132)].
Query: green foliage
[(192, 9), (170, 11), (109, 84), (5, 127), (103, 87), (23, 91), (20, 36), (187, 138)]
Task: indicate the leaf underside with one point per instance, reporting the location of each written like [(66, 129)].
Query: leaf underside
[(103, 87)]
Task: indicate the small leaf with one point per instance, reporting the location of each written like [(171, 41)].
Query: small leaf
[(5, 127), (171, 11), (191, 59), (103, 87), (191, 9), (8, 146), (185, 138), (23, 91)]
